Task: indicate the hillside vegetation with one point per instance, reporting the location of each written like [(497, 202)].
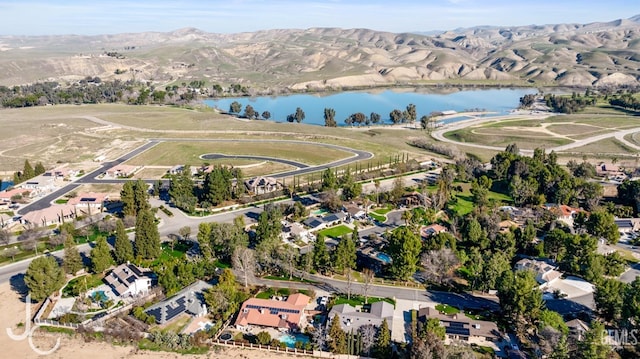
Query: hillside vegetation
[(597, 54)]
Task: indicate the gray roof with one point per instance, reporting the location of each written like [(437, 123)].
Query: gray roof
[(313, 222), (189, 300), (352, 320), (623, 223), (338, 216)]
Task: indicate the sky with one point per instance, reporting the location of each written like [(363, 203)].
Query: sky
[(86, 17)]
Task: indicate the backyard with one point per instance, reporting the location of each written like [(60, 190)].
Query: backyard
[(336, 232)]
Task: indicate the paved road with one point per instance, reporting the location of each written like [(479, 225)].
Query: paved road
[(90, 178), (217, 156), (45, 201), (619, 135)]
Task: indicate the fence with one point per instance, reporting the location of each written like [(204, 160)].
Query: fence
[(53, 323), (266, 347)]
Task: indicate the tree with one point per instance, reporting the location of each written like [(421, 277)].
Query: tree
[(127, 197), (338, 338), (593, 345), (609, 297), (249, 112), (383, 344), (375, 117), (397, 190), (28, 171), (411, 113), (264, 338), (345, 254), (289, 256), (601, 224), (330, 117), (367, 279), (101, 255), (147, 243), (299, 115), (123, 249), (235, 107), (10, 252), (185, 232), (439, 265), (368, 334), (72, 261), (395, 116), (39, 169), (266, 115), (329, 180), (4, 237), (520, 298), (404, 249), (321, 259), (43, 277), (181, 190)]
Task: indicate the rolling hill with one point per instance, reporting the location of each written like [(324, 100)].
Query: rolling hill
[(596, 54)]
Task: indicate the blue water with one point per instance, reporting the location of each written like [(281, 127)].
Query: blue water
[(383, 257), (100, 296), (4, 185), (347, 103), (291, 339)]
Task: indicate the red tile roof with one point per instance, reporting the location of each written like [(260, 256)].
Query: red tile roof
[(273, 313)]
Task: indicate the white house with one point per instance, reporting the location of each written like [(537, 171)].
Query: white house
[(128, 280)]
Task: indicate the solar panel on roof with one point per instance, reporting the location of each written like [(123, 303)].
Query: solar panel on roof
[(457, 331), (88, 199)]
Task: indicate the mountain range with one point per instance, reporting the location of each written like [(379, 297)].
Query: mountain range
[(582, 55)]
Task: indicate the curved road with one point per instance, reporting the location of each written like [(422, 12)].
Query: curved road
[(90, 178), (218, 156), (439, 135)]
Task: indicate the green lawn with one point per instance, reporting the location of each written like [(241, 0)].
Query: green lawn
[(81, 284), (270, 292), (382, 211), (464, 200), (359, 300), (447, 309), (377, 217), (336, 232)]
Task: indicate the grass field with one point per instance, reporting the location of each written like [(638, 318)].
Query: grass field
[(608, 145), (502, 137), (336, 232), (464, 200), (174, 152)]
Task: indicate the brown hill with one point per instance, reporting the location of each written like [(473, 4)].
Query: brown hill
[(601, 54)]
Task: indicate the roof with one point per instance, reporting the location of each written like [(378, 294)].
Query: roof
[(273, 313), (544, 271), (295, 228), (353, 209), (122, 169), (189, 299), (88, 198), (353, 319), (426, 231), (461, 325), (337, 216), (624, 223), (123, 276), (12, 192), (313, 222), (49, 214), (578, 325)]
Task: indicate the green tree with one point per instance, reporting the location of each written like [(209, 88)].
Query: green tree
[(299, 115), (432, 325), (43, 277), (345, 255), (631, 300), (338, 338), (601, 224), (549, 318), (127, 197), (181, 190), (593, 344), (330, 117), (264, 338), (350, 188), (404, 249), (249, 112), (374, 117), (147, 243), (39, 169), (411, 112), (383, 343), (204, 240), (235, 107), (329, 180), (101, 255), (27, 171), (520, 298), (395, 116), (609, 297), (266, 115), (495, 264), (72, 261), (321, 259), (123, 248)]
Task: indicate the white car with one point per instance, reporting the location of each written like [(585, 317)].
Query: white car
[(324, 301)]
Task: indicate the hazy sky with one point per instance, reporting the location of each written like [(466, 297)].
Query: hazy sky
[(86, 17)]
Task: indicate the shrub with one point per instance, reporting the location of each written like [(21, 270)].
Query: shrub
[(263, 338)]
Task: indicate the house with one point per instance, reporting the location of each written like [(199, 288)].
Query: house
[(55, 214), (577, 328), (262, 184), (189, 300), (352, 319), (334, 218), (5, 196), (625, 225), (281, 314), (545, 272), (5, 220), (61, 172), (177, 169), (505, 226), (609, 170), (415, 199), (89, 203), (121, 171), (354, 211), (563, 211), (431, 230), (315, 223), (459, 327), (38, 184), (291, 231), (129, 280)]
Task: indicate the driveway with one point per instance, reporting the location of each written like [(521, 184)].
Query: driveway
[(401, 330)]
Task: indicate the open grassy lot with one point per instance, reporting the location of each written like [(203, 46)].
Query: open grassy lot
[(172, 153), (151, 173), (633, 138), (571, 129), (464, 200), (502, 137), (608, 145)]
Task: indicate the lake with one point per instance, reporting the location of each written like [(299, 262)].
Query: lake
[(382, 102)]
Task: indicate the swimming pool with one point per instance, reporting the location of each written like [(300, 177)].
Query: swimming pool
[(383, 257), (99, 296), (290, 339)]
